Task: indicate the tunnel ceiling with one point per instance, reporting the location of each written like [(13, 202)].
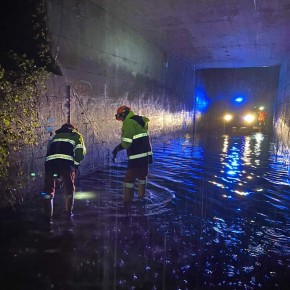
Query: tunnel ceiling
[(211, 33)]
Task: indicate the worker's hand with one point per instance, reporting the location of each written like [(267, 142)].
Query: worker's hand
[(115, 151), (114, 156), (77, 171)]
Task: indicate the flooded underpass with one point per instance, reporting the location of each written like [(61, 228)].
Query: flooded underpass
[(216, 216)]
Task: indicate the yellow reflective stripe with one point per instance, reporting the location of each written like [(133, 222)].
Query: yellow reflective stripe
[(128, 185), (76, 163), (140, 155), (142, 181), (140, 135), (127, 140), (64, 140), (59, 156), (80, 146)]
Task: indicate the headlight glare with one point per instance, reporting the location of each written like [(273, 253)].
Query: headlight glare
[(228, 117), (249, 118)]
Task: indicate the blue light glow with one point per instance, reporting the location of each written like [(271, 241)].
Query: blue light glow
[(201, 100), (239, 99)]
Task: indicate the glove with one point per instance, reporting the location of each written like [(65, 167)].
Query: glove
[(115, 152), (114, 158), (77, 171)]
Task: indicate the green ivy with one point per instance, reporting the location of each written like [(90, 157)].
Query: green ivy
[(20, 90), (22, 82)]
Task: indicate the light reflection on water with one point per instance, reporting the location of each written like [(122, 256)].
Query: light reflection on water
[(220, 210), (216, 216)]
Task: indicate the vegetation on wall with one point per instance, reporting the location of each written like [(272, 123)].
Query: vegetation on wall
[(19, 93), (23, 75)]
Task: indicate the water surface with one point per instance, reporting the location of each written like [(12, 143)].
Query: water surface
[(216, 216)]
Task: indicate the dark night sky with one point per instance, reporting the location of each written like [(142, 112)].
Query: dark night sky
[(17, 32), (16, 27)]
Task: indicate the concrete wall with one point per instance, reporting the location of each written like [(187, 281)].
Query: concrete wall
[(105, 64), (282, 114)]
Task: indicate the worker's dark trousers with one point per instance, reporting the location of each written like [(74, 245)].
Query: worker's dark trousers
[(53, 175)]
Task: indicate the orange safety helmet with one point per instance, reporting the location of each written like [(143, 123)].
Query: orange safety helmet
[(122, 112)]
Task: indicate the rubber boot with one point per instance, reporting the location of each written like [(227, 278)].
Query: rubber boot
[(69, 204), (141, 188), (128, 195), (48, 208)]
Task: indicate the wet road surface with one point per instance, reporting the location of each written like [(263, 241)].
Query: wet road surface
[(216, 216)]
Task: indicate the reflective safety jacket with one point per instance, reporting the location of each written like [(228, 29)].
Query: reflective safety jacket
[(135, 139), (67, 146), (262, 116)]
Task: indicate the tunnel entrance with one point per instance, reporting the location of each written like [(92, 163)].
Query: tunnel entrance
[(236, 91)]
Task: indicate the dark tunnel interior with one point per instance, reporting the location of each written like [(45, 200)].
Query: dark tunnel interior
[(254, 86)]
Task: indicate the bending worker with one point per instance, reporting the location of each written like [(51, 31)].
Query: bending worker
[(135, 139), (64, 153)]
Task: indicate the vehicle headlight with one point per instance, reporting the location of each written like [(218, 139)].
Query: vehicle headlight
[(249, 118), (228, 117)]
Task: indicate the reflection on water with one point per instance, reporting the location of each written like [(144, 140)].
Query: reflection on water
[(216, 216)]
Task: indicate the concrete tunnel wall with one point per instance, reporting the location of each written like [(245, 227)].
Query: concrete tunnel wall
[(282, 114), (105, 64)]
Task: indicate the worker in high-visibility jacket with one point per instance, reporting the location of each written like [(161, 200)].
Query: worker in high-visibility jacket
[(262, 118), (135, 139), (65, 152)]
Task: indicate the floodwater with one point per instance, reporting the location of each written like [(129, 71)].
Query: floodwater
[(216, 216)]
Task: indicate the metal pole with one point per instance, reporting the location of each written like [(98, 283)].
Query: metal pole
[(68, 104)]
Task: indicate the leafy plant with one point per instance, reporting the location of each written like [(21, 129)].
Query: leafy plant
[(22, 81), (20, 89)]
